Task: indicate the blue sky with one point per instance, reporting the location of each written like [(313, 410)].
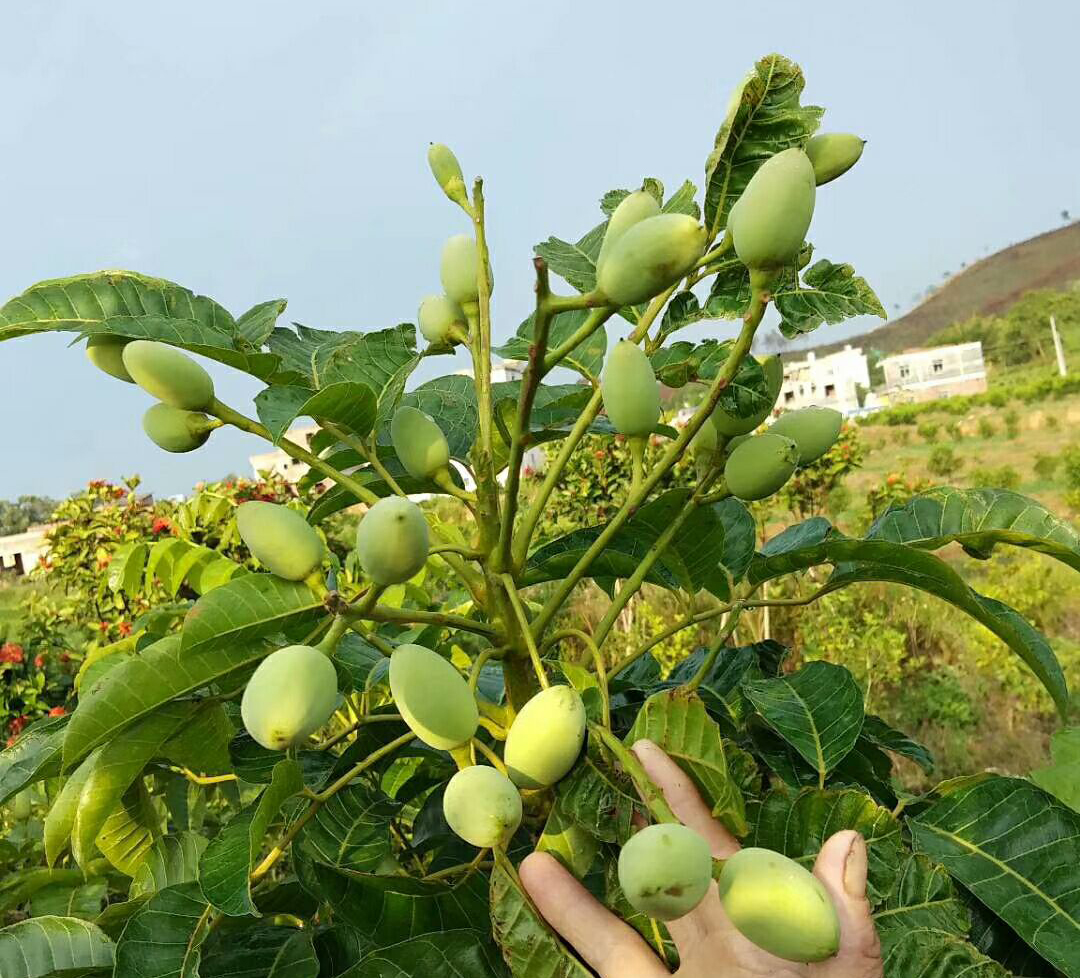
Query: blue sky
[(259, 148)]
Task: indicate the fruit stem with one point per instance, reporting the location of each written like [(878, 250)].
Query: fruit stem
[(596, 318), (338, 627), (637, 445), (416, 616), (494, 758), (526, 631), (464, 869)]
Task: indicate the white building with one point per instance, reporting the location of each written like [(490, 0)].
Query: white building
[(501, 371), (940, 371), (826, 381), (20, 552), (276, 462)]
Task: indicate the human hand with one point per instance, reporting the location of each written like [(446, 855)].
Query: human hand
[(709, 945)]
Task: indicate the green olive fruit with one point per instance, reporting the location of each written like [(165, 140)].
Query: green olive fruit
[(447, 172), (545, 738), (769, 221), (19, 806), (736, 442), (432, 697), (832, 154), (280, 539), (437, 317), (632, 209), (392, 541), (760, 466), (482, 806), (813, 429), (705, 439), (290, 695), (649, 256), (176, 430), (665, 870), (779, 905), (459, 269), (107, 353), (730, 425), (419, 442), (171, 376), (630, 391)]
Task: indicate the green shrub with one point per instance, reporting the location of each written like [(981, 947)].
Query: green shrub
[(1046, 465), (928, 431), (1001, 477), (901, 437), (987, 428), (954, 431), (944, 461), (1052, 421)]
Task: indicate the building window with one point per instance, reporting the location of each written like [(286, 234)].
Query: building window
[(938, 366), (905, 371), (830, 390)]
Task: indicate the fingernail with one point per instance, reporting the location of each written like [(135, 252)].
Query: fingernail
[(855, 868)]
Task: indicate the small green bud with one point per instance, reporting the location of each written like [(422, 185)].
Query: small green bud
[(447, 172)]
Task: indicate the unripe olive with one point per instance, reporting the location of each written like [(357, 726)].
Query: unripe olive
[(447, 172), (20, 805), (437, 317), (107, 353), (392, 540), (665, 870), (291, 694), (649, 256), (545, 738), (813, 429), (729, 425), (432, 697), (419, 442), (176, 430), (832, 154), (779, 905), (280, 539), (482, 806), (760, 466), (170, 375), (769, 221), (459, 269), (632, 209), (630, 391)]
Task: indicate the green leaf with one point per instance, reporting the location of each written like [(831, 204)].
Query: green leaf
[(352, 406), (575, 262), (141, 684), (20, 885), (162, 938), (255, 764), (54, 947), (575, 847), (798, 825), (878, 732), (248, 608), (381, 360), (923, 897), (256, 325), (33, 757), (458, 953), (530, 947), (66, 900), (599, 796), (129, 833), (817, 542), (715, 541), (260, 952), (587, 358), (979, 520), (818, 710), (173, 859), (176, 562), (764, 117), (352, 830), (202, 745), (225, 866), (678, 722), (1018, 852), (61, 817), (126, 568), (828, 293), (937, 954), (1062, 777)]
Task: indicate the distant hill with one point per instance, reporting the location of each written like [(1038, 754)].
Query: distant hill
[(990, 286)]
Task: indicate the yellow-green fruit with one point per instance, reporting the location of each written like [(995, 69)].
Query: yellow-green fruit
[(545, 738), (291, 694), (665, 870), (630, 391), (174, 429), (19, 806), (730, 426), (459, 269), (280, 539), (392, 541), (482, 806), (171, 376), (649, 256), (779, 905), (437, 316), (813, 429), (419, 442), (632, 209), (769, 221), (447, 172), (705, 440), (432, 697), (760, 466), (833, 154), (107, 353)]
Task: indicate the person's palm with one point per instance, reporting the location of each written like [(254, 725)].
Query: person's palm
[(708, 944)]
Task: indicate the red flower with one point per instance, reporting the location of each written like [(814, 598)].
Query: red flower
[(117, 492), (11, 740), (125, 629), (57, 711), (599, 453), (103, 626), (64, 657), (39, 661), (161, 525), (17, 724), (10, 652)]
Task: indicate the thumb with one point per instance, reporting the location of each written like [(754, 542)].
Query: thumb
[(842, 867)]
